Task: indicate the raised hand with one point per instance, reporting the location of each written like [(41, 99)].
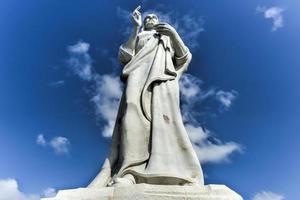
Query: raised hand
[(165, 29), (136, 17)]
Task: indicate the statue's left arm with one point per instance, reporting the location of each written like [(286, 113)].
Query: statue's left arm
[(182, 54)]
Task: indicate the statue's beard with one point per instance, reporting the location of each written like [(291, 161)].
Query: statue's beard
[(149, 25)]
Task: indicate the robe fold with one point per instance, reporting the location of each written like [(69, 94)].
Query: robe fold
[(149, 139)]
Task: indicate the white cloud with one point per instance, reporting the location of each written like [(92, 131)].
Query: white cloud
[(106, 100), (49, 192), (9, 190), (190, 28), (207, 147), (267, 195), (273, 13), (226, 98), (79, 47), (191, 91), (216, 153), (80, 61), (196, 134), (40, 140), (208, 151), (106, 90), (60, 145), (190, 87)]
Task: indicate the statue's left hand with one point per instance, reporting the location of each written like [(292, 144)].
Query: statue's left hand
[(165, 29), (168, 30)]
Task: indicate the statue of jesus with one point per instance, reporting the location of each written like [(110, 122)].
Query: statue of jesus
[(150, 143)]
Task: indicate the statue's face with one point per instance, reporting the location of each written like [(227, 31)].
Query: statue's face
[(149, 21)]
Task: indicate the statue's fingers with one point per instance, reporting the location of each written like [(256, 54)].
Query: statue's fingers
[(162, 24), (138, 12), (159, 28), (138, 8), (161, 31), (134, 12), (133, 16), (165, 28), (137, 15)]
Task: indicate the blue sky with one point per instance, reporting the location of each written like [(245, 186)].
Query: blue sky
[(60, 89)]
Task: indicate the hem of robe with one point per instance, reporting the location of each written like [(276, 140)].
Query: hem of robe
[(160, 178), (151, 178)]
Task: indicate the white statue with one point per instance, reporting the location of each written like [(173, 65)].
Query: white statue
[(150, 143), (151, 155)]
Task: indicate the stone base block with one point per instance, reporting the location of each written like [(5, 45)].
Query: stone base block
[(150, 192)]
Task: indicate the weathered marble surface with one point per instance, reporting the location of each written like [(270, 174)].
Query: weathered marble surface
[(150, 143), (151, 156), (149, 192)]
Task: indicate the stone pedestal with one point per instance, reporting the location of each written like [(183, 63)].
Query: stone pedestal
[(149, 192)]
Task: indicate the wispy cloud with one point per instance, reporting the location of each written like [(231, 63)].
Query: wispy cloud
[(267, 195), (192, 93), (125, 16), (215, 153), (40, 140), (206, 145), (188, 26), (105, 90), (58, 83), (273, 13), (80, 61), (209, 148), (60, 145), (106, 100), (226, 98), (49, 192), (9, 190), (190, 88)]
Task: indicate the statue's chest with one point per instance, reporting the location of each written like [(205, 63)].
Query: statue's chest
[(142, 39), (145, 36)]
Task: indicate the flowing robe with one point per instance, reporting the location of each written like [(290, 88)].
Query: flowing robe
[(149, 139)]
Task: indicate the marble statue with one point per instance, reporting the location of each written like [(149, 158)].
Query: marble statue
[(150, 143), (151, 156)]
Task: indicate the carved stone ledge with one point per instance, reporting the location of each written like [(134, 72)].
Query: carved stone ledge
[(150, 192)]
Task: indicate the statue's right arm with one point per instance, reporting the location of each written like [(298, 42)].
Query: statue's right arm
[(127, 50)]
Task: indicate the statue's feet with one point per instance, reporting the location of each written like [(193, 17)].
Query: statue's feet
[(126, 180)]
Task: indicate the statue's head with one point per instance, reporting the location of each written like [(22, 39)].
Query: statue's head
[(150, 20)]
